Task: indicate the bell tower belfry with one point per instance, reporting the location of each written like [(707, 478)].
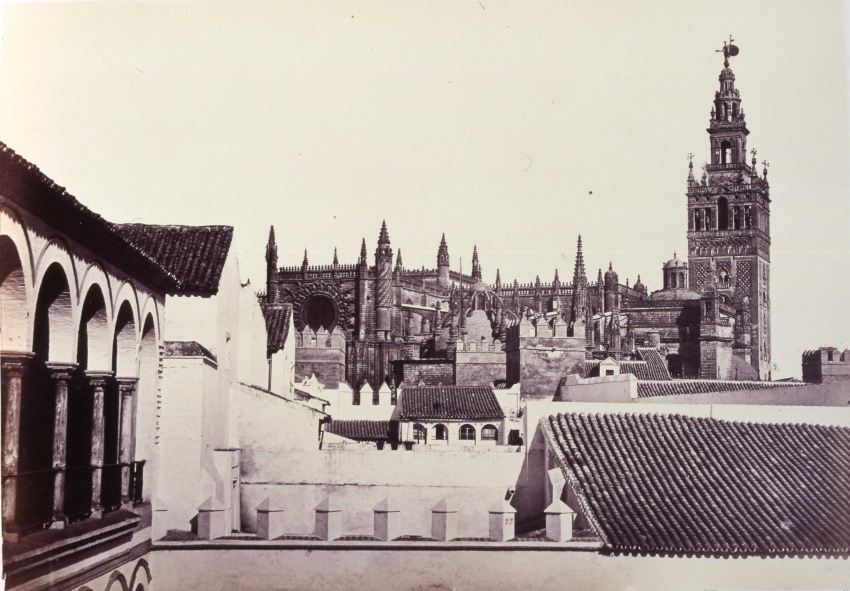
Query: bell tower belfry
[(729, 218)]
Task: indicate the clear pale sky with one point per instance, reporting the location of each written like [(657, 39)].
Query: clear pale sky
[(488, 121)]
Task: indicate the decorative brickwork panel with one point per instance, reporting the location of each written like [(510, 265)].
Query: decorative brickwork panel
[(743, 269), (702, 275)]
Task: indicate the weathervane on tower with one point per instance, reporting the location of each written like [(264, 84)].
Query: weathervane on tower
[(729, 50)]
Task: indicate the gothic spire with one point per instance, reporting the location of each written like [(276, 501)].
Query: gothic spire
[(498, 280), (579, 274), (363, 252), (271, 248), (476, 267), (398, 264), (336, 258), (443, 253), (384, 237), (305, 263)]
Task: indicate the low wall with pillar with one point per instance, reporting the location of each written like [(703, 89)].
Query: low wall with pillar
[(360, 479)]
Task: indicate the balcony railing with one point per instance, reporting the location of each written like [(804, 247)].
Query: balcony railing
[(34, 498), (137, 481), (77, 493), (110, 492)]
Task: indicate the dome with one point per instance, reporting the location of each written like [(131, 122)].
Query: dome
[(481, 286), (675, 263), (610, 274)]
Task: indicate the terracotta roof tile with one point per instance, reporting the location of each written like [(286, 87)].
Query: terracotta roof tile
[(449, 402), (673, 484), (278, 319), (650, 366), (25, 185), (677, 387), (656, 366), (186, 349), (194, 254), (361, 430)]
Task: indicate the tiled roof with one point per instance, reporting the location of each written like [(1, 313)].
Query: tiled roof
[(278, 319), (26, 186), (651, 366), (656, 366), (676, 387), (672, 484), (186, 349), (361, 430), (449, 402), (194, 254)]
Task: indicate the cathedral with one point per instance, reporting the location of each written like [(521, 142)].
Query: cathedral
[(379, 323)]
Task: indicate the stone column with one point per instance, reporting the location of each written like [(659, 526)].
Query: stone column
[(97, 383), (60, 375), (14, 366), (127, 392)]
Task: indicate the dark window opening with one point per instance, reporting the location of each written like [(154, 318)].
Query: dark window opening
[(722, 214), (319, 312), (467, 433)]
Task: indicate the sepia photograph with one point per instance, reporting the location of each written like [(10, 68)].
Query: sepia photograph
[(400, 295)]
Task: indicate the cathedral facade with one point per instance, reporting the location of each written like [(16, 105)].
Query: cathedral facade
[(376, 322)]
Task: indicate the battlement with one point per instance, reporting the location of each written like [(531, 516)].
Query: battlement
[(320, 339), (826, 365), (317, 268)]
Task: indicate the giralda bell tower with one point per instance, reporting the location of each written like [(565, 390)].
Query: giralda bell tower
[(729, 220)]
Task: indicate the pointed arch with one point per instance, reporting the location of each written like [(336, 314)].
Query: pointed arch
[(94, 343), (124, 343), (141, 566), (57, 251), (14, 298), (53, 332)]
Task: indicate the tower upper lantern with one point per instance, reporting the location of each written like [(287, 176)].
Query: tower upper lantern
[(728, 127)]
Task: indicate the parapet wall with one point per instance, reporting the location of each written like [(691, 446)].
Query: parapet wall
[(360, 479)]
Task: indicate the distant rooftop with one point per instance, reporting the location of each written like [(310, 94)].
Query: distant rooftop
[(449, 403)]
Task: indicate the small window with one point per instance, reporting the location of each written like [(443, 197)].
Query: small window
[(489, 433), (394, 397), (376, 397), (467, 433), (608, 372), (420, 435), (355, 398), (441, 433)]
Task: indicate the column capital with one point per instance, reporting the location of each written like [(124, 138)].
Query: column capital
[(61, 371), (98, 378), (127, 385), (15, 362)]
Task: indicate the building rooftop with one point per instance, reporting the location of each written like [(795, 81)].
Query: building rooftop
[(278, 319), (186, 349), (194, 254), (27, 187), (649, 366), (361, 430), (469, 403), (674, 484), (647, 388)]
